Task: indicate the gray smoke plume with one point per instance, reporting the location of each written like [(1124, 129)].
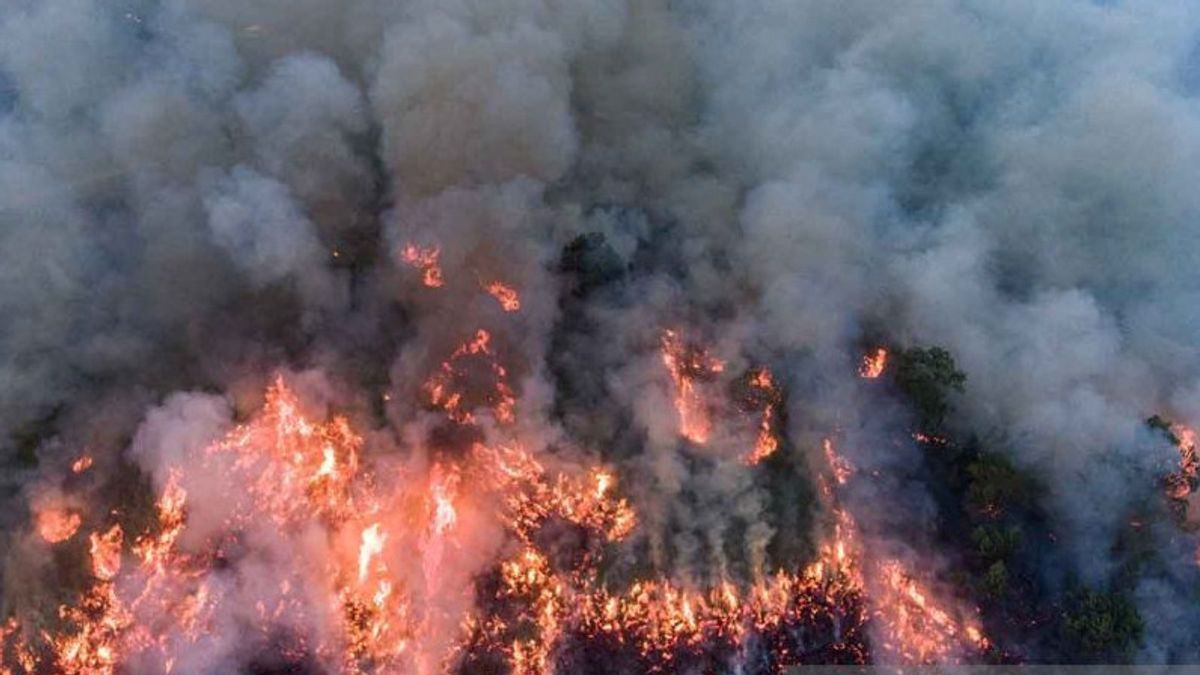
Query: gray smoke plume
[(195, 194)]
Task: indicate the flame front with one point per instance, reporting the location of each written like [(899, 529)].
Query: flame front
[(376, 597)]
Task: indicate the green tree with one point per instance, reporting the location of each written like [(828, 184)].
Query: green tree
[(927, 377), (591, 261), (1101, 626), (995, 486), (995, 580), (996, 543)]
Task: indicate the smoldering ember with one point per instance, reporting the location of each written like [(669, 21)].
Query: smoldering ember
[(597, 336)]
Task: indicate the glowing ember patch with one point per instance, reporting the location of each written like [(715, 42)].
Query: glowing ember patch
[(57, 525), (687, 365), (425, 259), (82, 464), (506, 295), (873, 364)]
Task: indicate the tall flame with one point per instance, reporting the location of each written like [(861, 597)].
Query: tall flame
[(686, 364)]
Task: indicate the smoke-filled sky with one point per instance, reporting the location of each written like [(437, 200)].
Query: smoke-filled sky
[(196, 194)]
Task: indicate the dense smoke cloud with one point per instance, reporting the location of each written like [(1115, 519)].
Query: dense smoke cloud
[(195, 194)]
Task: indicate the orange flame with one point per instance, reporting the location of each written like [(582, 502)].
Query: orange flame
[(873, 364), (917, 628), (301, 475), (766, 444), (106, 553), (56, 525), (506, 295), (83, 463), (687, 364), (372, 545), (425, 259), (1180, 484), (767, 441), (451, 390), (841, 467)]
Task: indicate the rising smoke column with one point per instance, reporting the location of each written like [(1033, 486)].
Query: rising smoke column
[(194, 194)]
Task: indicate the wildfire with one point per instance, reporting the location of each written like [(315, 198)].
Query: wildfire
[(929, 440), (688, 364), (1181, 483), (873, 364), (56, 525), (767, 440), (917, 628), (367, 554), (455, 387), (841, 467), (425, 259), (83, 463), (372, 545), (106, 553), (506, 295), (444, 513), (766, 444)]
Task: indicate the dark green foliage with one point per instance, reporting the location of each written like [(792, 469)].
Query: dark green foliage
[(591, 261), (1101, 626), (996, 543), (995, 580), (995, 486), (28, 437), (927, 377)]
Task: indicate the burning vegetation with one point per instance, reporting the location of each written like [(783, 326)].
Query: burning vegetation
[(367, 589), (362, 545), (528, 338), (543, 605)]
